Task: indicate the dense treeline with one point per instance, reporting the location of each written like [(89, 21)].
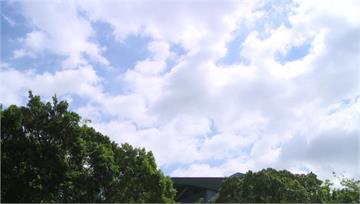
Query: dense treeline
[(47, 155), (272, 186)]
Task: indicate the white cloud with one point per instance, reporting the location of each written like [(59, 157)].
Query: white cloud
[(15, 84), (166, 141), (22, 53), (284, 99), (196, 26), (59, 28), (199, 170), (35, 40), (332, 144), (265, 114)]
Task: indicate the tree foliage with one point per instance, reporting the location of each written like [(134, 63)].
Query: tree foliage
[(349, 193), (47, 155), (272, 186)]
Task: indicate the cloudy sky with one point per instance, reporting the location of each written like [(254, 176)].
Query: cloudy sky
[(211, 87)]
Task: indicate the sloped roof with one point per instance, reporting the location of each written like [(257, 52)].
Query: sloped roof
[(212, 183)]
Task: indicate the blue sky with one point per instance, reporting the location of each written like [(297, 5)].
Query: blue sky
[(211, 88)]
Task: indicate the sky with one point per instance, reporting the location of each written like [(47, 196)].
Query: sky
[(210, 87)]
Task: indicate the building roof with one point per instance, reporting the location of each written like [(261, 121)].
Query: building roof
[(211, 183), (192, 189)]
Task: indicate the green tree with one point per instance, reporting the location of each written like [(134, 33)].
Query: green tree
[(270, 186), (326, 192), (48, 156), (349, 192)]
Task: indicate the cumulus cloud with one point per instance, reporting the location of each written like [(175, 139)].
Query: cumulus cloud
[(199, 170), (15, 83), (59, 28), (197, 25), (22, 53), (211, 118), (331, 145)]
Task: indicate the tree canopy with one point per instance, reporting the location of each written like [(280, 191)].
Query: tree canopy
[(349, 193), (272, 186), (49, 155)]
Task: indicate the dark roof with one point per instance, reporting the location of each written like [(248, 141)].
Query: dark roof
[(238, 174), (211, 183)]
